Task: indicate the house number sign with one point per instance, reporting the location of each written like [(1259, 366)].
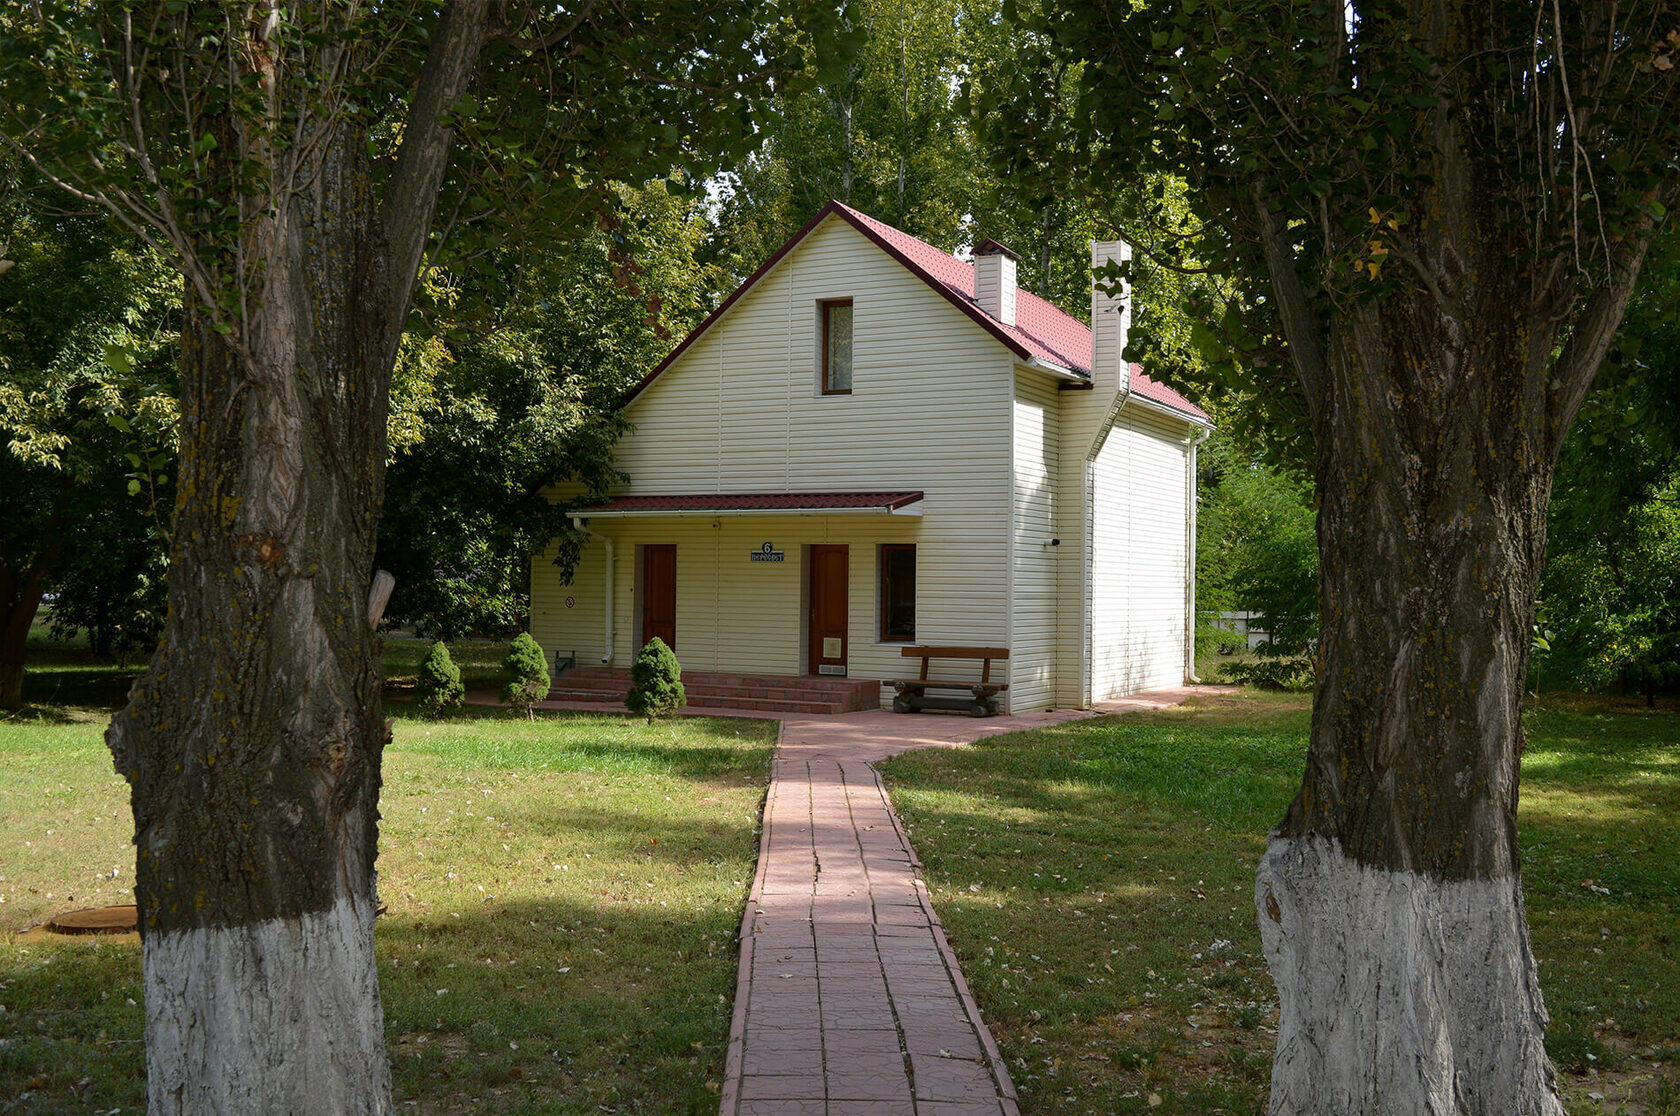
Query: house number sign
[(768, 553)]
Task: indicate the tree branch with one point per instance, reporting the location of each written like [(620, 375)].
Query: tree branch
[(1294, 312), (1594, 330), (411, 194)]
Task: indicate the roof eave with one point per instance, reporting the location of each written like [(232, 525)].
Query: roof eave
[(1167, 409), (1059, 371)]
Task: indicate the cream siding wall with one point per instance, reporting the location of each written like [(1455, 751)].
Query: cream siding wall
[(1138, 556), (740, 411), (1034, 576), (582, 627)]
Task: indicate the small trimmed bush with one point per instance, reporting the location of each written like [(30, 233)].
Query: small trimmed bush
[(656, 688), (438, 689), (527, 674)]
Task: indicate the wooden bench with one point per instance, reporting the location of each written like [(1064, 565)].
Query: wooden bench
[(912, 696)]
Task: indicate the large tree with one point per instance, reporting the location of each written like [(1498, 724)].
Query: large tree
[(1437, 212), (295, 162)]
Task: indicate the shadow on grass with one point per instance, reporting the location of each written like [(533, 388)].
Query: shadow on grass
[(1083, 872), (531, 1006)]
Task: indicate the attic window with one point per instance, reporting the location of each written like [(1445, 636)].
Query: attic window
[(837, 347)]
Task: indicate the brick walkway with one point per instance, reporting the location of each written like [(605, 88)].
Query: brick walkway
[(849, 999)]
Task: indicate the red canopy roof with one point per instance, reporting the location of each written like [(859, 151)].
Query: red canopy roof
[(879, 503)]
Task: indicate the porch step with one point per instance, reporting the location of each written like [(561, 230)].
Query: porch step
[(761, 692)]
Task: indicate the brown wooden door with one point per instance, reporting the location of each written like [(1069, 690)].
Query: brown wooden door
[(828, 610), (659, 594)]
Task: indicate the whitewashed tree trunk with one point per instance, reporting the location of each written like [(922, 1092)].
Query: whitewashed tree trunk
[(275, 1016), (1399, 993)]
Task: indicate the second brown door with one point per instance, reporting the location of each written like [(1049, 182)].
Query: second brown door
[(828, 610), (659, 594)]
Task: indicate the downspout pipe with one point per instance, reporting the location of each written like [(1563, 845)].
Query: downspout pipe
[(582, 525), (1190, 557)]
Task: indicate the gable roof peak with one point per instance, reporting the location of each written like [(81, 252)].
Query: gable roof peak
[(1042, 332)]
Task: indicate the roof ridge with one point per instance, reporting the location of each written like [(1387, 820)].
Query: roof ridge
[(1045, 333)]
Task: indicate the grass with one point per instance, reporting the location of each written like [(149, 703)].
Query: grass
[(1096, 880), (563, 897)]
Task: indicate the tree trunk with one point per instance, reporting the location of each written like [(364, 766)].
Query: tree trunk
[(1390, 901), (252, 743), (21, 588), (21, 607)]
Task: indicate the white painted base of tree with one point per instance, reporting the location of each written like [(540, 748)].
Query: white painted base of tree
[(1398, 993), (281, 1016)]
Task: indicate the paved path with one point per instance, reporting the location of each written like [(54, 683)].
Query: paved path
[(849, 999)]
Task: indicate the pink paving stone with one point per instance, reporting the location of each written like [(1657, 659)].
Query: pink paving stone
[(846, 979), (783, 1108)]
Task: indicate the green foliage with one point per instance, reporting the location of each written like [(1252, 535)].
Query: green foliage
[(879, 131), (527, 672), (88, 321), (1610, 597), (438, 688), (1327, 120), (656, 688), (496, 419), (1257, 550)]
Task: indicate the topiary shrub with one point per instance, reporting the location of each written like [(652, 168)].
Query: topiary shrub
[(656, 687), (439, 688), (527, 674)]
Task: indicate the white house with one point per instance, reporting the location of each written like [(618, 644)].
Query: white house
[(871, 444)]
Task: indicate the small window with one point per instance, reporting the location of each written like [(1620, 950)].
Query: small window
[(898, 592), (837, 347)]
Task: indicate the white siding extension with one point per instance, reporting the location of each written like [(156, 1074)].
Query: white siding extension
[(1032, 641), (1138, 556)]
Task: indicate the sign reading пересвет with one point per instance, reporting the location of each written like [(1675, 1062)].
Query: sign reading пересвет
[(768, 553)]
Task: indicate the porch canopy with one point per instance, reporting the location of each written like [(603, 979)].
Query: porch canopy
[(757, 503)]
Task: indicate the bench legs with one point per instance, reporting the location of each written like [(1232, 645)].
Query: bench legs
[(982, 702)]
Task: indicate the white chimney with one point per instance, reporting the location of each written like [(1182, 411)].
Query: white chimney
[(994, 280), (1111, 319)]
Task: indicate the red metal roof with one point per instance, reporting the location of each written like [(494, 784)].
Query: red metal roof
[(753, 501), (1042, 330)]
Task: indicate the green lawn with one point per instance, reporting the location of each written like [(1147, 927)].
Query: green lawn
[(563, 898), (1096, 880)]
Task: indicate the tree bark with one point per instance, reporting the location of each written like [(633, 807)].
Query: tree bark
[(22, 603), (252, 742), (1390, 899), (21, 591)]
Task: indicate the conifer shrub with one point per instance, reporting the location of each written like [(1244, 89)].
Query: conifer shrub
[(527, 672), (656, 688), (438, 689)]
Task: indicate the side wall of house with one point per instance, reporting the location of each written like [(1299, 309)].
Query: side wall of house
[(1034, 576), (741, 411), (1139, 562)]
